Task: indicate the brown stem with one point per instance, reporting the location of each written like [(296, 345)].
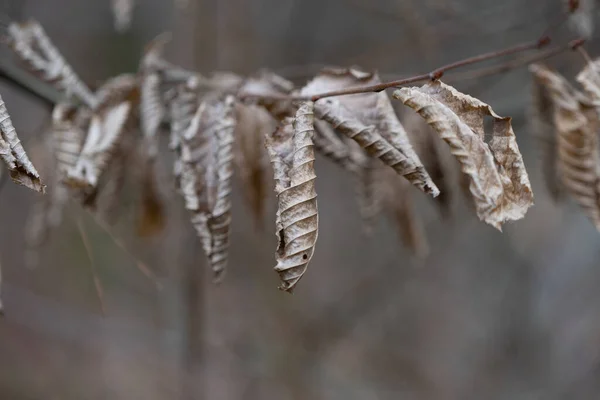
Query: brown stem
[(510, 65)]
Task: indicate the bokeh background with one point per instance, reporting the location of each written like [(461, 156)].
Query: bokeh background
[(487, 315)]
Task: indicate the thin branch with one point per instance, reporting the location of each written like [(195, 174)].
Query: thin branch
[(88, 250), (144, 269), (513, 64), (30, 84)]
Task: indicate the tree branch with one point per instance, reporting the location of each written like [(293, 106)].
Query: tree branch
[(23, 80)]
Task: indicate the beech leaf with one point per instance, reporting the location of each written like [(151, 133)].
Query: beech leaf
[(498, 180), (291, 151)]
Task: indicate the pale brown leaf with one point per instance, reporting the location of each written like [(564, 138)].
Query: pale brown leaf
[(108, 123), (589, 78), (498, 181), (368, 137), (250, 157), (122, 11), (33, 46), (541, 123), (207, 158), (577, 128), (292, 158), (373, 110), (13, 154)]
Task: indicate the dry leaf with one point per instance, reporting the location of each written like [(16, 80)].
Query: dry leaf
[(589, 78), (122, 10), (31, 43), (292, 157), (577, 128), (47, 211), (207, 158), (250, 157), (541, 122), (375, 145), (68, 133), (267, 87), (151, 219), (499, 183), (398, 202), (108, 123), (372, 110), (582, 19), (13, 154), (428, 146)]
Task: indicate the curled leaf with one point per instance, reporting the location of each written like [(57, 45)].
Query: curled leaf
[(541, 122), (122, 10), (250, 157), (33, 46), (207, 159), (375, 145), (108, 123), (13, 154), (498, 180), (372, 110), (292, 157), (577, 127)]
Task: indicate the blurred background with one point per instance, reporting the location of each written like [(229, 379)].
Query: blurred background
[(487, 315)]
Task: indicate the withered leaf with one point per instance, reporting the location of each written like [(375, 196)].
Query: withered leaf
[(541, 124), (398, 202), (122, 10), (581, 20), (292, 157), (375, 145), (372, 110), (589, 78), (428, 146), (265, 88), (33, 46), (577, 128), (107, 125), (13, 154), (207, 159), (68, 134), (250, 157), (498, 180)]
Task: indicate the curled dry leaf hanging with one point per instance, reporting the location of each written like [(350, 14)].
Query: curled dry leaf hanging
[(292, 157), (396, 196), (250, 157), (577, 128), (498, 180), (207, 159), (33, 46), (108, 124), (375, 145), (589, 78), (541, 124), (13, 154), (435, 159), (375, 112)]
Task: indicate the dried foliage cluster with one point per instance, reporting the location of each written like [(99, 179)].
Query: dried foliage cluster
[(224, 122)]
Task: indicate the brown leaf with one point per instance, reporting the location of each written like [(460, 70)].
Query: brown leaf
[(375, 145), (541, 122), (122, 10), (428, 146), (151, 218), (13, 154), (398, 202), (577, 127), (33, 46), (68, 134), (250, 157), (207, 158), (499, 183), (372, 110), (292, 157), (589, 78), (268, 86), (108, 123), (581, 20)]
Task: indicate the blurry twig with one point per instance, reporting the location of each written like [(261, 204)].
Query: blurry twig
[(88, 250), (144, 269)]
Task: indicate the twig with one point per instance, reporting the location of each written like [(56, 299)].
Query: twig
[(28, 83), (510, 65), (88, 249), (144, 269)]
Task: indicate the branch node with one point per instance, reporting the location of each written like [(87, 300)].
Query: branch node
[(543, 41)]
